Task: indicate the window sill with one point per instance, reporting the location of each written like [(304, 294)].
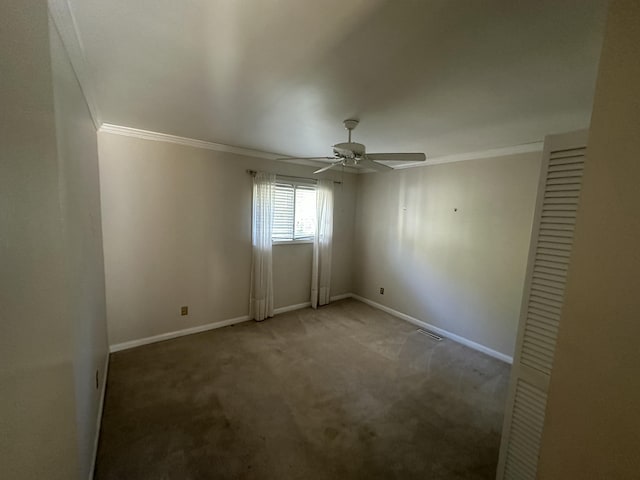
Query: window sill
[(291, 242)]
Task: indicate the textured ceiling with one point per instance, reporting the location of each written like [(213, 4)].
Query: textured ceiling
[(443, 77)]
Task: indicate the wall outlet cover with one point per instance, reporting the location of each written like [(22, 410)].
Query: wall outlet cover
[(184, 310)]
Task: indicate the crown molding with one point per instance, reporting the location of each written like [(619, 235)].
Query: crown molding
[(218, 147), (221, 147), (494, 152), (65, 23), (191, 142)]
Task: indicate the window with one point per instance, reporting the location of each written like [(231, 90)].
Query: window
[(295, 212)]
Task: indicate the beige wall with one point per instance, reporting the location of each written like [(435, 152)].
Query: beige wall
[(291, 269), (37, 415), (462, 270), (177, 231), (51, 293), (80, 207), (592, 424)]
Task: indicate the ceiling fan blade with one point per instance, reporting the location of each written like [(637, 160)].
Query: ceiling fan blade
[(397, 157), (365, 162), (324, 169)]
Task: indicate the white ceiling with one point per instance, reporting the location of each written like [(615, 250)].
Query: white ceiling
[(443, 77)]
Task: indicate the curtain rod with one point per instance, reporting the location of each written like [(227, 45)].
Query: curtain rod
[(253, 174)]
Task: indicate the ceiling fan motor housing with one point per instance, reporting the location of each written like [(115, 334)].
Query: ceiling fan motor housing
[(349, 150)]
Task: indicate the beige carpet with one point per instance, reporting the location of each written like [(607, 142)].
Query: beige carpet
[(345, 392)]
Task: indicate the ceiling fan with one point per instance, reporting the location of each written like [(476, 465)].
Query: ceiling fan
[(352, 154)]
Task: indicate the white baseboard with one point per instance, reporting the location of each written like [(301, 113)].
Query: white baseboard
[(342, 296), (298, 306), (290, 308), (440, 331), (178, 333), (232, 321), (103, 392), (203, 328)]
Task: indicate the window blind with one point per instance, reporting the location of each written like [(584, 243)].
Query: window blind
[(294, 212), (283, 213)]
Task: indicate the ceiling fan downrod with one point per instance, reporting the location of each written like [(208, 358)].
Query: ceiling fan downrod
[(350, 124)]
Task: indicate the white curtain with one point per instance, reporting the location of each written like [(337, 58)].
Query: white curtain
[(261, 293), (321, 271)]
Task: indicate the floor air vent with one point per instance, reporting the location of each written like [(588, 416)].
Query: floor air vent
[(429, 334)]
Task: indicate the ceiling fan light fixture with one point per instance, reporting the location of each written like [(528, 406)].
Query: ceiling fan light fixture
[(349, 149)]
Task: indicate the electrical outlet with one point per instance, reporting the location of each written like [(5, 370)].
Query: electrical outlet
[(184, 310), (97, 379), (381, 291)]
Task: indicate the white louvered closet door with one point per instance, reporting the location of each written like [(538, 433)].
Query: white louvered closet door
[(543, 298)]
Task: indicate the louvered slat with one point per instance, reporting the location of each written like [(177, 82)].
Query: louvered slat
[(552, 267), (565, 164), (540, 345), (561, 200), (541, 332), (553, 250), (547, 287), (560, 187), (547, 294), (556, 227), (563, 194), (542, 282), (550, 253), (542, 318), (552, 219), (544, 328), (566, 153), (553, 238), (525, 433), (544, 305), (546, 275)]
